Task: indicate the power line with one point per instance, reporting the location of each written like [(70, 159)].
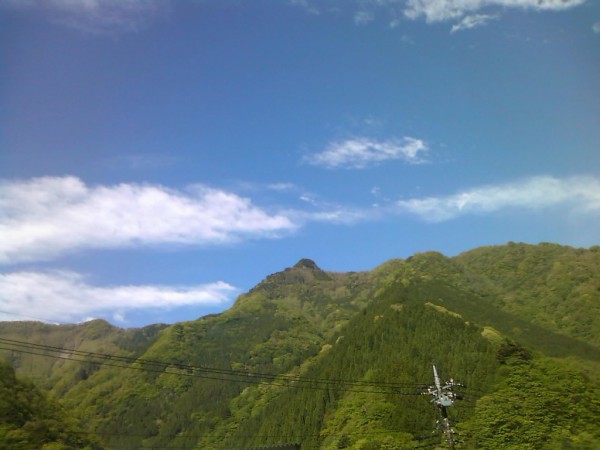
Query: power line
[(163, 364), (227, 375), (209, 372), (256, 436), (238, 373), (259, 374), (285, 438)]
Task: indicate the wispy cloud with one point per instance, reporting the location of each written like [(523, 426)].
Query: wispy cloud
[(282, 187), (362, 152), (444, 10), (334, 214), (96, 16), (576, 196), (306, 5), (596, 27), (465, 14), (43, 218), (363, 17), (67, 297), (472, 21), (580, 193), (118, 16)]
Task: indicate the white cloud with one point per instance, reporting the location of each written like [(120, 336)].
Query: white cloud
[(363, 17), (444, 10), (308, 7), (596, 27), (66, 297), (96, 16), (465, 13), (282, 187), (360, 153), (118, 16), (339, 215), (43, 218), (581, 194), (472, 21)]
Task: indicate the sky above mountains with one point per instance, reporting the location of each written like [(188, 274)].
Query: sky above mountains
[(159, 158)]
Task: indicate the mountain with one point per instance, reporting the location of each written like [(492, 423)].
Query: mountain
[(340, 360)]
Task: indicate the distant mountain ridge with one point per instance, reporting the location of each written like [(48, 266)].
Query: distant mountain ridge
[(495, 317)]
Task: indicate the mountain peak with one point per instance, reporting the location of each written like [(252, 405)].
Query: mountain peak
[(307, 264)]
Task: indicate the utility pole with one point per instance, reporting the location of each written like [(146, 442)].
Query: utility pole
[(444, 397)]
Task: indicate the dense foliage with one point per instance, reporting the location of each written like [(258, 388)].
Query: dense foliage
[(553, 286), (30, 420), (537, 404), (518, 324)]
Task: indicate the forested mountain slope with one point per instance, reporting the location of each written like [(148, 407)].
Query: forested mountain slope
[(58, 374), (553, 286), (340, 360), (28, 419)]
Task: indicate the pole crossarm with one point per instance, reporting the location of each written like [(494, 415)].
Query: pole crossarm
[(444, 395)]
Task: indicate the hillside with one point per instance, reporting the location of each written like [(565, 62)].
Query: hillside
[(555, 287), (339, 360), (29, 419), (58, 374)]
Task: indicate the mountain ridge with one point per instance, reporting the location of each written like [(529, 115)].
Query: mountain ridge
[(481, 315)]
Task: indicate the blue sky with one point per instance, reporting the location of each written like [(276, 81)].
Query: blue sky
[(159, 158)]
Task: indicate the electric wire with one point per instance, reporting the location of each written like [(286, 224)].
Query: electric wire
[(77, 356), (187, 367), (253, 373), (285, 439), (161, 367), (207, 372)]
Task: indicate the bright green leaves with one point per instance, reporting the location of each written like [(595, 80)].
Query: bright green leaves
[(538, 404), (28, 419)]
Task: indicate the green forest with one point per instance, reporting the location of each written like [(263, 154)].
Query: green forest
[(331, 360)]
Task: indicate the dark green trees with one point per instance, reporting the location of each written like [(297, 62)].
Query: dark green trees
[(30, 420)]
